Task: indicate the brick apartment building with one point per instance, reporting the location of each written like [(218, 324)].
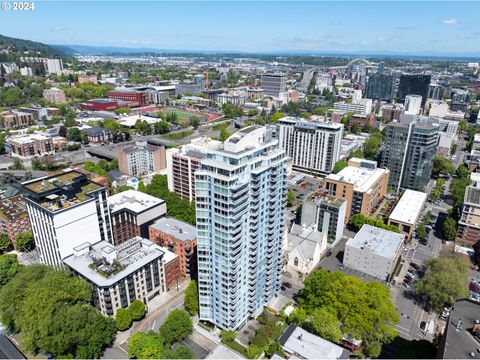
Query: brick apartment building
[(16, 119), (178, 237), (29, 146), (13, 217), (132, 212), (138, 98), (141, 159)]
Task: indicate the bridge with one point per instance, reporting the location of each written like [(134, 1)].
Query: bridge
[(364, 62)]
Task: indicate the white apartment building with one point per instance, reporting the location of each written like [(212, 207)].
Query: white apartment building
[(413, 104), (66, 210), (121, 274), (364, 106), (240, 201), (438, 109), (54, 95), (313, 146), (141, 159), (182, 162), (54, 66), (235, 99), (374, 251)]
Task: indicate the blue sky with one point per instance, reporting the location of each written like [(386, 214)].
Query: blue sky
[(381, 26)]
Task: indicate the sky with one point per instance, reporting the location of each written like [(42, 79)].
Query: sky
[(414, 27)]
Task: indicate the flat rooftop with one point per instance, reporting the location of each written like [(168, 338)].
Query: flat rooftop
[(133, 200), (300, 342), (458, 341), (472, 195), (409, 207), (62, 190), (28, 138), (13, 208), (90, 260), (362, 178), (176, 228), (377, 241)]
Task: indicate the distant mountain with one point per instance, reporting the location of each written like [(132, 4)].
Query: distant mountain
[(24, 45), (113, 50)]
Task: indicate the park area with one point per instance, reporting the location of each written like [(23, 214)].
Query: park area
[(184, 115)]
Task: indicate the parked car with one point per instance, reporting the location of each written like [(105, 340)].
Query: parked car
[(405, 285), (415, 266), (287, 285), (410, 274)]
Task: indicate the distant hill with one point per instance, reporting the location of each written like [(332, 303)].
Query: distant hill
[(24, 45), (113, 50)]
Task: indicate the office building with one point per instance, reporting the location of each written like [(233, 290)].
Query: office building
[(435, 91), (462, 331), (273, 84), (29, 146), (14, 119), (240, 201), (141, 159), (182, 162), (66, 210), (132, 97), (327, 215), (409, 148), (407, 211), (438, 109), (135, 270), (83, 78), (313, 146), (54, 95), (54, 66), (362, 184), (374, 252), (132, 212), (300, 344), (178, 237), (380, 87), (413, 85), (469, 223), (364, 106), (199, 80), (413, 104), (460, 95), (13, 217), (188, 88)]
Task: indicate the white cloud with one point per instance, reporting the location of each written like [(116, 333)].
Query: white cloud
[(450, 21)]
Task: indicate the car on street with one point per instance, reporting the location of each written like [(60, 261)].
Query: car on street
[(423, 325)]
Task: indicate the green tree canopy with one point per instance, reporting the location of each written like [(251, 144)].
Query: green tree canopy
[(358, 220), (194, 122), (444, 281), (137, 309), (191, 298), (325, 324), (51, 309), (372, 145), (364, 310), (161, 127), (339, 166), (74, 134), (5, 243), (442, 166), (276, 117), (449, 228), (9, 267), (147, 345), (177, 326), (24, 241), (123, 319)]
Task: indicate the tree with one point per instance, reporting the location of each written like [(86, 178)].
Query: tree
[(24, 241), (358, 220), (195, 122), (123, 319), (84, 138), (372, 349), (444, 281), (9, 267), (177, 326), (5, 243), (276, 117), (17, 165), (457, 189), (346, 297), (449, 229), (442, 166), (228, 335), (453, 149), (74, 134), (171, 117), (232, 111), (123, 110), (462, 171), (372, 145), (147, 345), (137, 309), (161, 127), (290, 198), (421, 231), (36, 303), (325, 324), (143, 127), (339, 166), (62, 131), (191, 298), (298, 316), (224, 135)]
